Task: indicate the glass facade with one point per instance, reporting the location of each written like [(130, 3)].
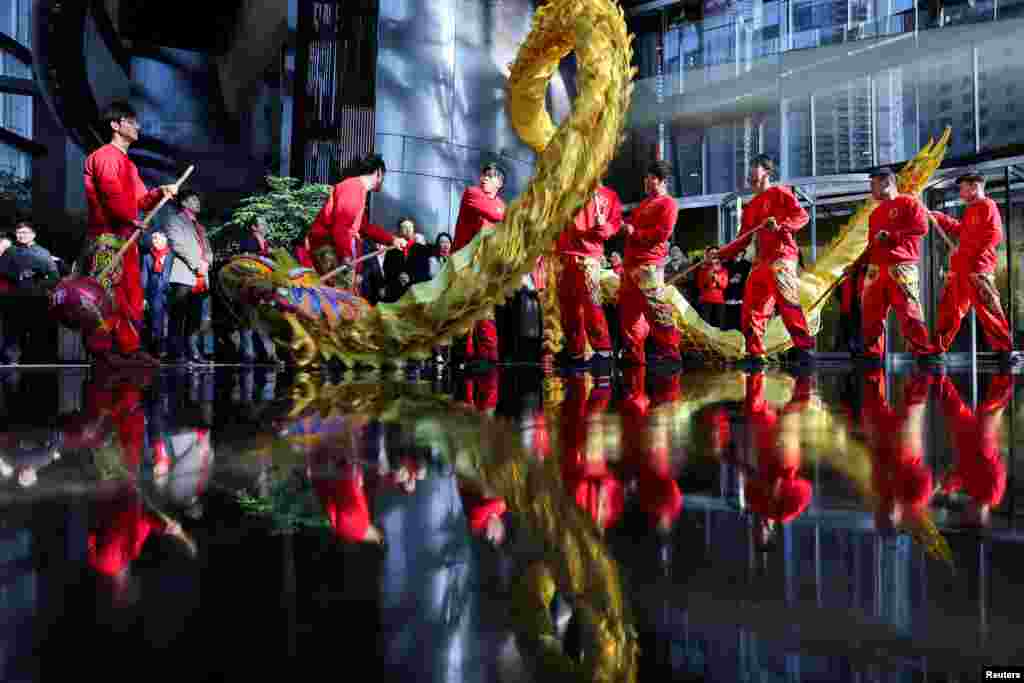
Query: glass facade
[(16, 110), (828, 88)]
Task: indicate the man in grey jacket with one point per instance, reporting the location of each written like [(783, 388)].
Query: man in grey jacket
[(190, 274)]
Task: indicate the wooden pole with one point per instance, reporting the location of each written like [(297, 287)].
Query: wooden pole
[(679, 276), (138, 231), (348, 266)]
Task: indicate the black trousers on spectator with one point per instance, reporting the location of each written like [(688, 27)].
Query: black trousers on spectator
[(185, 320), (28, 333), (713, 314)]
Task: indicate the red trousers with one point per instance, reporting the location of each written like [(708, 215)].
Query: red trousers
[(772, 285), (127, 317), (579, 297), (962, 291), (893, 287), (482, 342), (643, 311)]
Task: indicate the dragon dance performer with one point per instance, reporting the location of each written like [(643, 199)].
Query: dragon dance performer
[(775, 490), (979, 469), (773, 280), (580, 249), (896, 227), (901, 478), (642, 307), (334, 234), (481, 208), (971, 277), (115, 195)]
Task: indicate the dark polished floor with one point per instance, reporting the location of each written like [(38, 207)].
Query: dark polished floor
[(829, 526)]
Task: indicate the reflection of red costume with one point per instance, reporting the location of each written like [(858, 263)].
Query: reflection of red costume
[(122, 405), (115, 195), (345, 502), (776, 490), (647, 455), (899, 474), (122, 527), (476, 212), (584, 467), (971, 280), (773, 280), (716, 421), (892, 280), (980, 469), (343, 220), (481, 391), (642, 309), (580, 248)]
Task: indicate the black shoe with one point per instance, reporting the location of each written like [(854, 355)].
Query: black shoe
[(753, 362), (932, 359), (1010, 360)]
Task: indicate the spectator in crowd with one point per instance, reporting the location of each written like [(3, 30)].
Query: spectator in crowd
[(374, 284), (442, 250), (676, 262), (30, 268), (156, 282), (255, 242), (189, 299), (405, 266), (6, 286), (712, 281), (738, 271)]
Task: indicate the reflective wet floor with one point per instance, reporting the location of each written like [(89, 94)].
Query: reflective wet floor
[(507, 526)]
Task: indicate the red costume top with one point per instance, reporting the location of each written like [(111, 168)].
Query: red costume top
[(980, 469), (980, 232), (345, 502), (618, 269), (584, 237), (653, 222), (480, 509), (777, 202), (115, 193), (906, 221), (776, 491), (124, 527), (343, 220), (712, 281), (476, 212)]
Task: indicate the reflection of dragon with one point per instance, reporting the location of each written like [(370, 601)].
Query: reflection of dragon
[(567, 553), (321, 322)]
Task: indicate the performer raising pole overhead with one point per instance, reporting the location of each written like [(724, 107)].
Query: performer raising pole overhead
[(580, 249), (115, 195), (642, 305), (971, 277), (334, 235), (895, 230), (773, 280), (481, 207)]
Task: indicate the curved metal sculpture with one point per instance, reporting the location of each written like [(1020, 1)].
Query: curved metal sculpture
[(320, 322)]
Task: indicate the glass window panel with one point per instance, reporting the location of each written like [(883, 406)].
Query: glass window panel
[(843, 130), (946, 97), (796, 152), (722, 148), (686, 156), (1000, 61)]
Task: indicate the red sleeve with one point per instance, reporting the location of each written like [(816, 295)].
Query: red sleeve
[(118, 197), (742, 241), (614, 222), (490, 209), (372, 231), (788, 212), (147, 199), (326, 216), (481, 513), (949, 224), (658, 228)]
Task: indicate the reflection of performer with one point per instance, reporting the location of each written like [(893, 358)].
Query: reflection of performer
[(971, 277), (334, 235), (773, 280), (647, 458), (481, 392), (775, 491), (902, 480), (642, 306), (979, 470), (341, 488), (481, 208), (893, 279), (115, 195), (580, 248), (584, 465)]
